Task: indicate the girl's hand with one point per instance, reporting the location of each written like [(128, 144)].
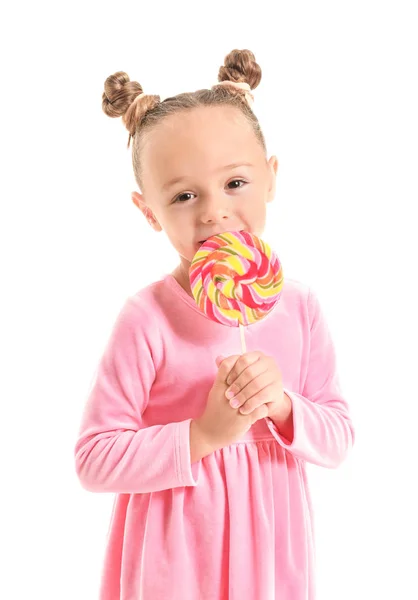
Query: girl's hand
[(254, 380), (219, 425)]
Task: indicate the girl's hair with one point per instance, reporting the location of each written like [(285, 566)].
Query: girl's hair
[(118, 100)]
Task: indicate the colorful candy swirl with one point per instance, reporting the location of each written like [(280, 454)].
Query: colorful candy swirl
[(236, 278)]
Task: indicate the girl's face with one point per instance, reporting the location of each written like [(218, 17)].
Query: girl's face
[(204, 172)]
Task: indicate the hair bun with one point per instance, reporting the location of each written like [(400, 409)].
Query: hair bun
[(118, 100), (241, 66), (119, 93)]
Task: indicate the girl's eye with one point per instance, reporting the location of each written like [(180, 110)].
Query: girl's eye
[(182, 196), (178, 199), (237, 181)]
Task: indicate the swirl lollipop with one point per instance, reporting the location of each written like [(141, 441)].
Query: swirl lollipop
[(236, 279)]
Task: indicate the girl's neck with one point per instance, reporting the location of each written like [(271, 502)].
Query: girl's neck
[(181, 274)]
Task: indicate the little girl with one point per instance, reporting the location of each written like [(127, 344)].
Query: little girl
[(212, 500)]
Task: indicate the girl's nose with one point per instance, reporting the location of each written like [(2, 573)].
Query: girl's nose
[(214, 210)]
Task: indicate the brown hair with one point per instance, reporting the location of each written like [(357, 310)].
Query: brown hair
[(118, 100)]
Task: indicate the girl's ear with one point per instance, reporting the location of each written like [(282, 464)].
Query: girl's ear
[(139, 201), (273, 165)]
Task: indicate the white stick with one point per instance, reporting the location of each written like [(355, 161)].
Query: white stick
[(242, 332)]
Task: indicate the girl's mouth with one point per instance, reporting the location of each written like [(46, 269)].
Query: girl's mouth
[(203, 241)]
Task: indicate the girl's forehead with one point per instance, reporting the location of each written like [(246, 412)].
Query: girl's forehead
[(204, 121), (201, 133)]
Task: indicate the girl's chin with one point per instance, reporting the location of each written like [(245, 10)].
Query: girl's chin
[(188, 255), (195, 249)]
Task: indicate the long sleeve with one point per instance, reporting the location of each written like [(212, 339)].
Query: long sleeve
[(114, 451), (323, 431)]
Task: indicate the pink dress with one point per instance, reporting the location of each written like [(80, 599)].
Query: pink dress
[(238, 524)]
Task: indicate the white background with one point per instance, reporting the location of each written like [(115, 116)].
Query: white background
[(338, 106)]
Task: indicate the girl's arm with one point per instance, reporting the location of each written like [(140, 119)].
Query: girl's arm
[(114, 451), (322, 431)]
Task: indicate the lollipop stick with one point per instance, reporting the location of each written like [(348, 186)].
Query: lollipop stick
[(242, 332)]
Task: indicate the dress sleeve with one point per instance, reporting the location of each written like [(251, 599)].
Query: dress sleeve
[(114, 451), (323, 431)]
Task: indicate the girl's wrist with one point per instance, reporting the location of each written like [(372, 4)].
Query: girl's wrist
[(200, 446), (284, 419)]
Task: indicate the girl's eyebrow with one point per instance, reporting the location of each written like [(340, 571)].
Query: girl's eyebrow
[(172, 182)]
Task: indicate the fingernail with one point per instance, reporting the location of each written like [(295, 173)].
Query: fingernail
[(233, 391), (234, 403)]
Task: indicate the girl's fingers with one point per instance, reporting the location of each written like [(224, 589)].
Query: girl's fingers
[(264, 396), (225, 365), (259, 413), (243, 362), (249, 382)]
